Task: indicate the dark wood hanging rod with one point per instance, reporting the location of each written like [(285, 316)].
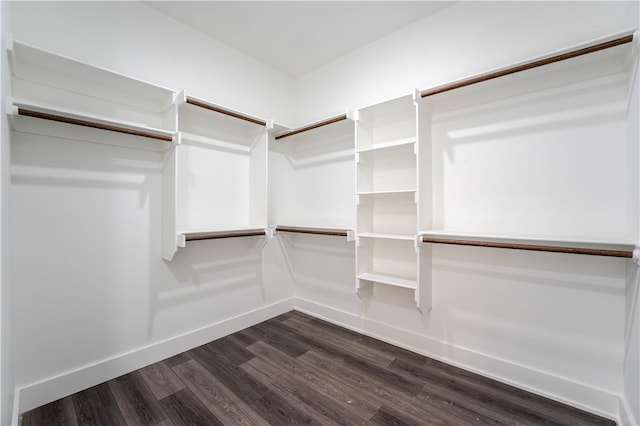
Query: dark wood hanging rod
[(312, 126), (93, 124), (316, 231), (224, 111), (533, 247), (529, 65), (194, 236)]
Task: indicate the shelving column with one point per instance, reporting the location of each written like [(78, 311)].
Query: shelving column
[(215, 180), (387, 194)]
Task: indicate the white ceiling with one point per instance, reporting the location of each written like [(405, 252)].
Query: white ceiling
[(295, 37)]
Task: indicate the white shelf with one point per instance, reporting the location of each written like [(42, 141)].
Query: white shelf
[(215, 181), (393, 280), (52, 78), (213, 234), (390, 144), (378, 235), (389, 192), (556, 241), (93, 118)]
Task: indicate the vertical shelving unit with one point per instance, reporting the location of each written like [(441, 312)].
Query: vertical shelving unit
[(54, 95), (387, 250), (215, 181)]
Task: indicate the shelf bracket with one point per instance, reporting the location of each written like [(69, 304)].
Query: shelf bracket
[(181, 240), (636, 255)]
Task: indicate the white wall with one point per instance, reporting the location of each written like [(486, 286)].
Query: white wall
[(6, 320), (92, 296), (138, 41), (91, 289), (551, 323), (467, 38)]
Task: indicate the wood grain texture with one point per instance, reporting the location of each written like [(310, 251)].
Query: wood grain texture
[(161, 379), (136, 403), (298, 370)]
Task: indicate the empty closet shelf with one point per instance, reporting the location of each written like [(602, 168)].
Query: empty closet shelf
[(221, 110), (226, 233), (628, 38), (401, 237), (314, 230), (389, 144), (312, 126), (612, 248), (388, 192), (389, 280), (46, 112)]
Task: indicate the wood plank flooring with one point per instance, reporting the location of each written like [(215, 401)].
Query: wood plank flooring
[(298, 370)]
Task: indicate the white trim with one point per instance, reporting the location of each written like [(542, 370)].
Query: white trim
[(53, 388), (575, 394), (15, 415), (542, 383), (625, 415)]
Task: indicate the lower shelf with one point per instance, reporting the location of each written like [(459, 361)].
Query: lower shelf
[(389, 280), (314, 230), (223, 233)]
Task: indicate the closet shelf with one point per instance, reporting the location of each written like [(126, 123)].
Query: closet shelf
[(628, 38), (223, 233), (221, 110), (389, 144), (389, 280), (314, 230), (29, 63), (62, 115), (312, 126), (388, 192), (379, 235), (611, 248)]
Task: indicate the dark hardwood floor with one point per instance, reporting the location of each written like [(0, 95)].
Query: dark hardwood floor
[(295, 370)]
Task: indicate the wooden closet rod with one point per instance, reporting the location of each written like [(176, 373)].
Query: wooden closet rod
[(93, 124), (312, 126), (215, 108), (529, 65), (316, 231), (533, 247), (223, 234)]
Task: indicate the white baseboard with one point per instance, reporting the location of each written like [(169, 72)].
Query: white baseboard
[(549, 385), (45, 391), (552, 386), (626, 416)]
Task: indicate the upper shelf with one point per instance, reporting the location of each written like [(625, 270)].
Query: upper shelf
[(580, 68), (32, 109), (47, 70), (207, 123), (613, 248), (324, 129)]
